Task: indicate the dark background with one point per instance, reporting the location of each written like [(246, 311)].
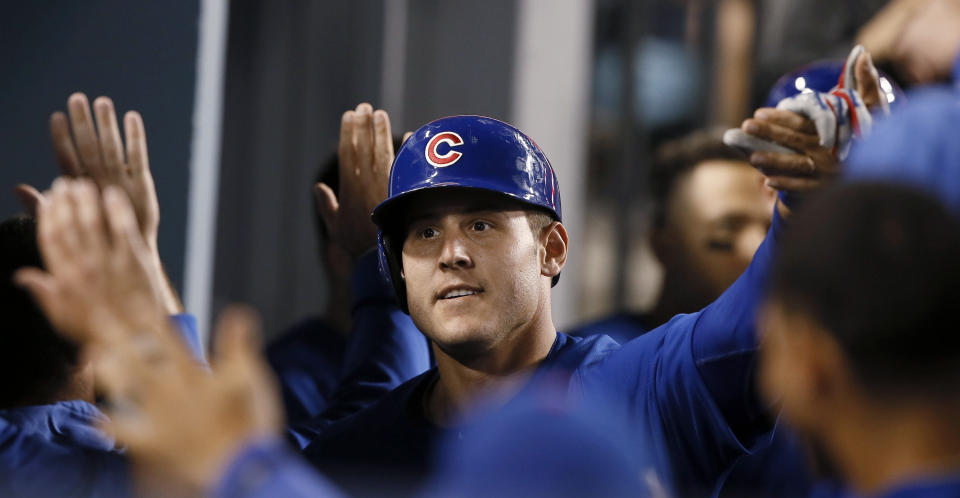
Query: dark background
[(142, 54)]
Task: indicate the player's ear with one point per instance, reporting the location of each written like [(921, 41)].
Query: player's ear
[(554, 242)]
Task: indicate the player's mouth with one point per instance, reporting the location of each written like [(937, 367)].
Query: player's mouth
[(460, 291)]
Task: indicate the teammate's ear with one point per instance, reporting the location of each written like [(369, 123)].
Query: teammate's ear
[(554, 240)]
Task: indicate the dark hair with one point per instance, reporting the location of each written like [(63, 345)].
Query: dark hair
[(677, 157), (878, 266), (35, 362)]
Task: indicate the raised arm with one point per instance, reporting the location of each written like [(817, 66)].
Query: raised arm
[(385, 347)]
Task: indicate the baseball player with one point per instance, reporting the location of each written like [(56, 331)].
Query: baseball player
[(472, 238)]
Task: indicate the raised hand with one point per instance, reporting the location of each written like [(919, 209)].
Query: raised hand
[(184, 423), (814, 165), (809, 169), (365, 154), (99, 154), (98, 269)]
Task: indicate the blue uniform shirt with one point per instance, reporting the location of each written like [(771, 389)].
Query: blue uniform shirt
[(686, 386), (56, 450), (929, 487), (621, 327), (385, 349), (307, 360), (268, 469)]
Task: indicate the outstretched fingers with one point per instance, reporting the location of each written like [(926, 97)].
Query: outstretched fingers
[(85, 135), (111, 148), (383, 142), (137, 160), (363, 136), (122, 224), (63, 147)]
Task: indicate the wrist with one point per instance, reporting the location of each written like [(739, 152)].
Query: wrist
[(169, 302)]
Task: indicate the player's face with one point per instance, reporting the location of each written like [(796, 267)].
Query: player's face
[(718, 216), (472, 270)]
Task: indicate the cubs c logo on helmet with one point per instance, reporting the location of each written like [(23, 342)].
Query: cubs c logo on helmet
[(443, 160)]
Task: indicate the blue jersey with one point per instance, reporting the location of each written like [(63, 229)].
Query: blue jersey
[(778, 468), (56, 450), (686, 386), (928, 487), (268, 469), (307, 360), (621, 327), (385, 349)]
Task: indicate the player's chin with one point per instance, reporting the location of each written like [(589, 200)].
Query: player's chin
[(463, 338)]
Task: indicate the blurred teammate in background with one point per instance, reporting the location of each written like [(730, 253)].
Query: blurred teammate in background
[(711, 212), (865, 365)]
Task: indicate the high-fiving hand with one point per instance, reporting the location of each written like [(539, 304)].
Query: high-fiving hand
[(814, 165), (365, 154), (98, 269), (99, 154)]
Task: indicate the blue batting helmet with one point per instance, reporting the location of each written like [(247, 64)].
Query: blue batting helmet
[(466, 152), (822, 76)]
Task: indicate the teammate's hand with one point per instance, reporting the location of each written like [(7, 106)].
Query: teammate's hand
[(365, 154), (809, 169), (179, 422), (814, 165), (99, 154), (97, 274)]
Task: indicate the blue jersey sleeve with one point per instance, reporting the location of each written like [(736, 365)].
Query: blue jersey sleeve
[(688, 384), (186, 325), (267, 469), (385, 350)]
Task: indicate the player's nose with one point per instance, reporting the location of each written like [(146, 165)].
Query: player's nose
[(454, 252)]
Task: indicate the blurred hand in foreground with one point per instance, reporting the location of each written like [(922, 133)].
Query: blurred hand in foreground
[(98, 269), (183, 425)]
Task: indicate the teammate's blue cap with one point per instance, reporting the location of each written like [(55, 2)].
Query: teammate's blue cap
[(464, 152), (917, 146), (822, 76)]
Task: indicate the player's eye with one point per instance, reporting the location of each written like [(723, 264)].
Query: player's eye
[(719, 245), (428, 233), (480, 226)]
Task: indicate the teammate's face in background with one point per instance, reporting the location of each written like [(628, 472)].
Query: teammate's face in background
[(716, 218), (472, 270)]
